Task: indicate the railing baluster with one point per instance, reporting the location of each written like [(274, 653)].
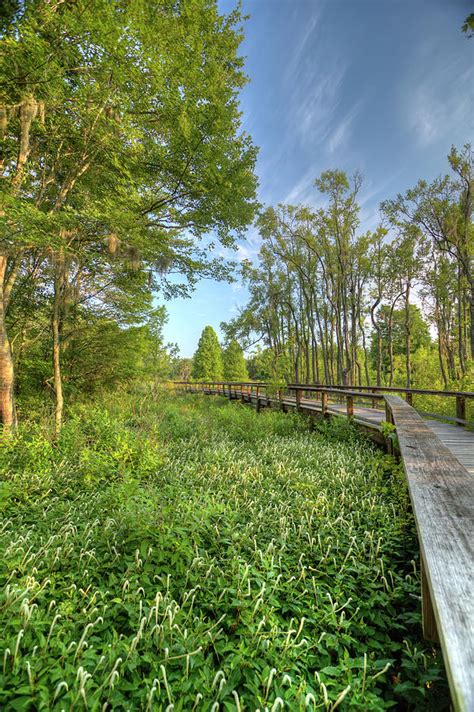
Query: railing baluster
[(350, 407), (324, 404), (460, 409), (298, 399)]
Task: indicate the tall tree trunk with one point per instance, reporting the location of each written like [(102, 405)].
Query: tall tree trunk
[(7, 403), (462, 360), (408, 337), (471, 319), (390, 336), (56, 319), (366, 355), (378, 341)]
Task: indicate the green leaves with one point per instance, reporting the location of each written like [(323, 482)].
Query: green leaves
[(200, 552), (207, 361), (235, 368)]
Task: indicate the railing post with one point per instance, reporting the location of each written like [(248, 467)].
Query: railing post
[(298, 399), (324, 404), (280, 398), (258, 399), (461, 409), (389, 419), (430, 631), (241, 393), (409, 398), (374, 400), (350, 407)]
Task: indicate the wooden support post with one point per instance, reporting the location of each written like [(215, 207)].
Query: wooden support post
[(258, 399), (280, 398), (298, 399), (241, 393), (324, 404), (430, 631), (350, 407), (461, 409), (409, 398), (389, 419), (374, 400)]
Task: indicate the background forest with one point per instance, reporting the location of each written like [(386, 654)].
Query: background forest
[(122, 150), (393, 306)]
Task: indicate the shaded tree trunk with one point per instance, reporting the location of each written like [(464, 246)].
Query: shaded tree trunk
[(408, 337), (7, 403), (56, 323)]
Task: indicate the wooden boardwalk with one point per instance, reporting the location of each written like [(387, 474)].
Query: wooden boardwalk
[(438, 459), (458, 440)]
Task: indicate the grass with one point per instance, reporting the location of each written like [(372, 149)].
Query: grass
[(185, 553)]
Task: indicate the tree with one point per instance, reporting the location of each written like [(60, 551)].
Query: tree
[(235, 368), (468, 25), (207, 361), (122, 145), (442, 211), (393, 326)]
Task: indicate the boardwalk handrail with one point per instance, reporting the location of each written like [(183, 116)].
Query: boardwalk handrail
[(374, 393), (442, 496), (385, 389), (461, 397)]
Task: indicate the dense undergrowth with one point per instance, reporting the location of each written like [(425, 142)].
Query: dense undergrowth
[(181, 553)]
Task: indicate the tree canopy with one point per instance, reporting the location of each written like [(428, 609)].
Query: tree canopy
[(235, 368), (207, 361), (122, 150), (333, 304)]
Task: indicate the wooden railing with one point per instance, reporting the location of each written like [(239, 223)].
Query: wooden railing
[(442, 497), (462, 397)]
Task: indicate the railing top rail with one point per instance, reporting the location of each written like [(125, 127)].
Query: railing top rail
[(382, 389), (319, 387), (335, 390), (220, 383)]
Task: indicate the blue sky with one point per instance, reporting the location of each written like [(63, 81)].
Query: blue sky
[(380, 86)]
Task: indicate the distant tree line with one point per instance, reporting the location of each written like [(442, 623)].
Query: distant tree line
[(331, 304), (121, 148)]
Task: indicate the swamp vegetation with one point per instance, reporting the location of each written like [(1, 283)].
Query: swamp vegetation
[(171, 553)]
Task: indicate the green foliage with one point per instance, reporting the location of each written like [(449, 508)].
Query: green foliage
[(419, 333), (207, 361), (98, 354), (122, 146), (235, 368), (151, 557), (468, 25)]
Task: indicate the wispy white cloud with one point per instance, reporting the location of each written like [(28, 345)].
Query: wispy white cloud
[(343, 131), (302, 44), (438, 99)]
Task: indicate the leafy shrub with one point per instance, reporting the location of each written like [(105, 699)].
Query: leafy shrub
[(185, 553)]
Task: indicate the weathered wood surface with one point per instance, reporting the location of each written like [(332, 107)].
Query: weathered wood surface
[(458, 440), (442, 495)]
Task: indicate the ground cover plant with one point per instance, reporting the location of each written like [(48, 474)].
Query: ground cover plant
[(186, 553)]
